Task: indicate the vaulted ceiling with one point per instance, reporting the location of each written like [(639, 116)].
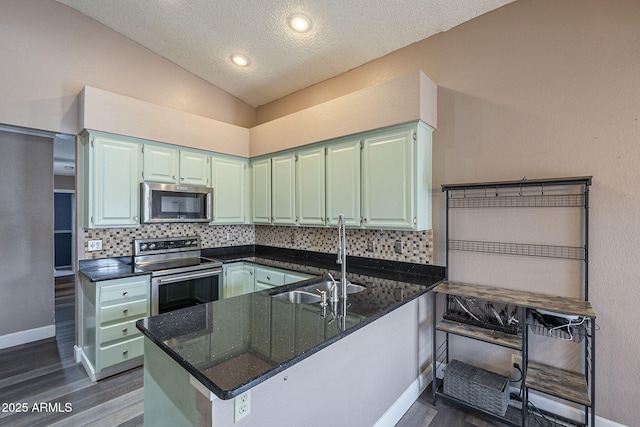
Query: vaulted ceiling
[(202, 35)]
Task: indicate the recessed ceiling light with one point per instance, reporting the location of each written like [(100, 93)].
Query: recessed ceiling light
[(300, 23), (240, 60)]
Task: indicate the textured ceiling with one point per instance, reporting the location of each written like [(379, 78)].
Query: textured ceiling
[(201, 35)]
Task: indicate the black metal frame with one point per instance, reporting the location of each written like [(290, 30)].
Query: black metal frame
[(575, 253)]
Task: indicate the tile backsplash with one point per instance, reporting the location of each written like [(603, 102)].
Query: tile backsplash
[(417, 246), (119, 241)]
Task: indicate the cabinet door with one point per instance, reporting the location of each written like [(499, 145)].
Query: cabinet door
[(343, 183), (387, 173), (233, 280), (160, 164), (114, 177), (194, 168), (283, 208), (310, 187), (229, 190), (261, 191)]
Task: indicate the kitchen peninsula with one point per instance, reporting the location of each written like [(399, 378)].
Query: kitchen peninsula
[(272, 362)]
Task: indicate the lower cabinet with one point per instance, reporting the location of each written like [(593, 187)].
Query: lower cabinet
[(109, 309), (245, 277)]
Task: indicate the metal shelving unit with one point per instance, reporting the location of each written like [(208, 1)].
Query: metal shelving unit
[(576, 387)]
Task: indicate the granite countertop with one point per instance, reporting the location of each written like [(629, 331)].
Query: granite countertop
[(231, 345), (109, 268)]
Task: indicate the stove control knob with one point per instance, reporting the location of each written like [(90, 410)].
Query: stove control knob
[(143, 247), (152, 245), (187, 242)]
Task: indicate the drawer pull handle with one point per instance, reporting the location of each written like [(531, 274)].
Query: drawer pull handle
[(125, 330), (124, 294), (268, 278), (124, 353), (125, 311)]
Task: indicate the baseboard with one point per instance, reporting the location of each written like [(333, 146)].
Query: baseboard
[(391, 417), (24, 337)]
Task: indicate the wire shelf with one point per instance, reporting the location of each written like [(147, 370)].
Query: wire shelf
[(524, 201), (544, 251)]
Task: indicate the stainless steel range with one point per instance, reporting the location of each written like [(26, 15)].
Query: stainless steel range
[(180, 276)]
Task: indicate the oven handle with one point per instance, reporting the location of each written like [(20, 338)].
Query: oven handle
[(182, 277)]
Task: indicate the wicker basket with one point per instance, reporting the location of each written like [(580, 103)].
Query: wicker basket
[(477, 387)]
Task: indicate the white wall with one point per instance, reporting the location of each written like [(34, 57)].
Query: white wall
[(26, 239)]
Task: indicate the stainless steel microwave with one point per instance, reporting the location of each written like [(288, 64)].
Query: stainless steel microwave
[(175, 203)]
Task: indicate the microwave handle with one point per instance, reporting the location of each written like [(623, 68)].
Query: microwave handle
[(181, 277)]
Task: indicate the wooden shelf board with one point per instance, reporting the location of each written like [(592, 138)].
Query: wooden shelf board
[(572, 306), (558, 382), (482, 334)]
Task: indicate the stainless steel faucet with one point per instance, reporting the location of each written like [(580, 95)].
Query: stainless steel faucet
[(342, 255)]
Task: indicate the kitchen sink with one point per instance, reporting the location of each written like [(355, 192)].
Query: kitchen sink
[(297, 297), (310, 294)]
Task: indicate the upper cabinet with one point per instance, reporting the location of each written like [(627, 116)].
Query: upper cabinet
[(163, 163), (261, 191), (283, 186), (310, 187), (343, 182), (194, 168), (396, 178), (228, 179), (111, 181), (379, 179)]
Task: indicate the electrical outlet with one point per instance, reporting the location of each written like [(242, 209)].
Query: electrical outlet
[(398, 246), (242, 404), (370, 246), (94, 245), (516, 360), (229, 236)]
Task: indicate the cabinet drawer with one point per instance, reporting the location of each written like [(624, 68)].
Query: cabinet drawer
[(269, 277), (119, 331), (121, 352), (114, 293), (127, 311)]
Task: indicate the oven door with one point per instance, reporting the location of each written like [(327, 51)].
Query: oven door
[(176, 291)]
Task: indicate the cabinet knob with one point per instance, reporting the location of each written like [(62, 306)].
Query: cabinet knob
[(173, 177), (135, 218), (125, 311), (268, 278), (125, 352), (182, 177), (124, 294), (125, 330)]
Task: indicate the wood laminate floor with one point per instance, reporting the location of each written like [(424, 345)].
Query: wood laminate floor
[(43, 378)]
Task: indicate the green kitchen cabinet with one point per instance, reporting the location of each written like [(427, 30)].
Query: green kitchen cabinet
[(195, 168), (109, 309), (111, 181), (237, 279), (168, 164), (161, 163), (230, 193), (261, 190), (396, 178), (283, 189), (343, 182), (310, 187)]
